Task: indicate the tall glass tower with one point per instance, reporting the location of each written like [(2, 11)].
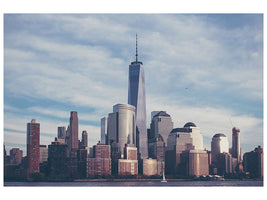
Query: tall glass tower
[(236, 149), (137, 98)]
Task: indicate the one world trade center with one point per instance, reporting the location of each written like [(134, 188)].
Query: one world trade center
[(137, 98)]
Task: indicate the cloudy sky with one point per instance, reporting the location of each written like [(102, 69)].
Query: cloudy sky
[(207, 69)]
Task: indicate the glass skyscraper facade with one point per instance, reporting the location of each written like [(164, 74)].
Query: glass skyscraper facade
[(236, 149), (137, 98), (122, 126)]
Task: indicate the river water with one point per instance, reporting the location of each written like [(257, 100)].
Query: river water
[(232, 183)]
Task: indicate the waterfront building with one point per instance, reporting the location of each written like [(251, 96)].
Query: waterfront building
[(194, 163), (58, 161), (149, 167), (253, 163), (33, 147), (122, 126), (15, 156), (43, 153), (128, 165), (100, 164), (179, 140), (73, 145), (236, 148), (82, 162), (104, 130), (223, 164), (137, 98)]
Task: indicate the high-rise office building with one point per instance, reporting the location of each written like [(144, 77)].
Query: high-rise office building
[(219, 144), (73, 133), (182, 140), (33, 147), (84, 142), (160, 128), (104, 130), (161, 124), (122, 126), (16, 156), (137, 98), (236, 148), (61, 132)]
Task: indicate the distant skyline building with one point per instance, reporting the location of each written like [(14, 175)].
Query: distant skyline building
[(236, 148), (15, 156), (33, 147), (84, 142), (61, 132), (74, 145), (122, 126), (137, 98), (219, 144), (43, 153), (161, 124), (104, 130)]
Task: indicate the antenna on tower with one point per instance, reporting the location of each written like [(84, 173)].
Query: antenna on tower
[(136, 55)]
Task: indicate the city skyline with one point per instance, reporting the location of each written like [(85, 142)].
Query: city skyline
[(207, 69)]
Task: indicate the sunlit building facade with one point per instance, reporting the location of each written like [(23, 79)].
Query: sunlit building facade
[(194, 163), (122, 126), (219, 144), (180, 140)]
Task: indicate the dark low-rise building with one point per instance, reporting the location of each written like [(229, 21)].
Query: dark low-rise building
[(253, 163), (58, 160)]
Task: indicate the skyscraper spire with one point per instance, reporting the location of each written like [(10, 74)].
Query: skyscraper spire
[(136, 55)]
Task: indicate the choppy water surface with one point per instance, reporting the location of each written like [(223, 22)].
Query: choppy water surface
[(140, 184)]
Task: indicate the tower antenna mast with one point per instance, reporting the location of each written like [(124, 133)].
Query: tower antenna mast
[(136, 55)]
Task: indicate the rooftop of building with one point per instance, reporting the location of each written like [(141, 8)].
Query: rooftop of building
[(181, 130), (189, 124), (219, 135), (162, 113), (136, 63)]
